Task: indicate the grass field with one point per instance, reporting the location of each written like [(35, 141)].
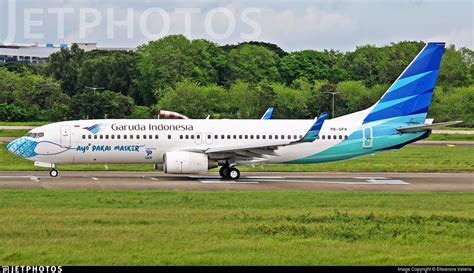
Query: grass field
[(12, 133), (451, 137), (26, 123), (235, 228), (408, 159)]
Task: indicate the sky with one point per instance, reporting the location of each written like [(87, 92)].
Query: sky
[(293, 25)]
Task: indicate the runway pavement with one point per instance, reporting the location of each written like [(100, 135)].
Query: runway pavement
[(402, 182)]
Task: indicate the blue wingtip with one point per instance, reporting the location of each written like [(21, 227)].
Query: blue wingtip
[(268, 113), (313, 133)]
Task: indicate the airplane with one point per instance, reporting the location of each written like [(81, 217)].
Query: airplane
[(191, 146)]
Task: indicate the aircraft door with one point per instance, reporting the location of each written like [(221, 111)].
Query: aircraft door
[(367, 138), (65, 136)]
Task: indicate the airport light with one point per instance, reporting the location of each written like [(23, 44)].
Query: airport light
[(333, 95), (94, 89)]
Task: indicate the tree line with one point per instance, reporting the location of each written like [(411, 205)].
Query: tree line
[(199, 78)]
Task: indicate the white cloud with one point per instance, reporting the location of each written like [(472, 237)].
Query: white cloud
[(461, 38)]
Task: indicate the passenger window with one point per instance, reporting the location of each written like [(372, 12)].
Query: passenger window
[(124, 136), (101, 136), (276, 136), (301, 136), (235, 136), (246, 137), (317, 137), (112, 136), (346, 137), (216, 137), (150, 137), (251, 136), (289, 137), (192, 136), (144, 136), (106, 136), (138, 136), (228, 136), (340, 137), (258, 136), (187, 137), (198, 136), (131, 136), (95, 136), (208, 136), (322, 137), (156, 136), (270, 137), (89, 137), (282, 137), (295, 137), (240, 136), (263, 137), (334, 137), (83, 136), (118, 136), (169, 136), (222, 136)]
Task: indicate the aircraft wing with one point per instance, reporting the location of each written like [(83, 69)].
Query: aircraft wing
[(257, 152), (425, 127)]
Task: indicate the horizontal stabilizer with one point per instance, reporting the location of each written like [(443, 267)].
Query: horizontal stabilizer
[(425, 127), (268, 113), (313, 133)]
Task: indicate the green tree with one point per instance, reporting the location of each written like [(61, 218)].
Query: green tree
[(290, 103), (272, 47), (244, 100), (253, 64), (313, 65), (454, 70), (64, 66), (195, 101), (106, 104), (455, 104), (113, 70)]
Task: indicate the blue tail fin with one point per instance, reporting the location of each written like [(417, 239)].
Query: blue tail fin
[(410, 95)]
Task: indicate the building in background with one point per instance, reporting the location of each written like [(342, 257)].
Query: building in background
[(36, 53)]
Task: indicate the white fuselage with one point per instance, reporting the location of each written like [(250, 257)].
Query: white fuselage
[(146, 141)]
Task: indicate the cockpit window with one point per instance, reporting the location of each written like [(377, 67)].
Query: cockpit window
[(35, 135)]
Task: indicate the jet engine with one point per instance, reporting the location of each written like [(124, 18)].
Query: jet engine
[(186, 162)]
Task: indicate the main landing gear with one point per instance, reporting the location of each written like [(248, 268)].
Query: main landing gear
[(227, 172), (54, 173)]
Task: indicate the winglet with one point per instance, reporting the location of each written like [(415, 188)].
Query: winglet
[(268, 114), (313, 133)]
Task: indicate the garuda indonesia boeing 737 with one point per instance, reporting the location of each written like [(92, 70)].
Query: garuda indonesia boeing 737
[(194, 146)]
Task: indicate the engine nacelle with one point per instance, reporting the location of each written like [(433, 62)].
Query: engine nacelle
[(185, 162)]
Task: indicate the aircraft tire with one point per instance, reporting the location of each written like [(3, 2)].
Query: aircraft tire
[(233, 174), (54, 173)]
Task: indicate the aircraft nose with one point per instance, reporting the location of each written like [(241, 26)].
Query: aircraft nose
[(22, 147), (11, 145)]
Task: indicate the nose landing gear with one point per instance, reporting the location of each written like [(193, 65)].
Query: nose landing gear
[(227, 172), (54, 173)]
